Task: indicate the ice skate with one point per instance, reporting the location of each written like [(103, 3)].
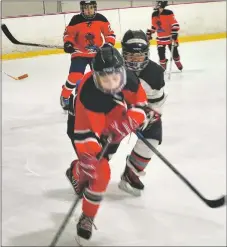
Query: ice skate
[(178, 64), (84, 230), (130, 181)]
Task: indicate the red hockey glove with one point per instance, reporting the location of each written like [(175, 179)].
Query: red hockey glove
[(121, 128), (87, 167), (84, 172)]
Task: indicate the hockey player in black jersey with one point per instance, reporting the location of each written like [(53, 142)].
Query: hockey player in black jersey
[(135, 51)]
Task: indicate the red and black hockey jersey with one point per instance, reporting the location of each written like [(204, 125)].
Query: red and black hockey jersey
[(164, 24), (85, 34), (95, 110)]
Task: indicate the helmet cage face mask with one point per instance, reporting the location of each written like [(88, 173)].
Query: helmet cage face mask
[(136, 54), (110, 80), (136, 61), (86, 5)]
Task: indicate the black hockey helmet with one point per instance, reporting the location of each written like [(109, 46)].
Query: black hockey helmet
[(108, 70), (84, 5), (135, 50), (160, 4)]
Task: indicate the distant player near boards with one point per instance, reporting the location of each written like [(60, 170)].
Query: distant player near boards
[(167, 27), (85, 34)]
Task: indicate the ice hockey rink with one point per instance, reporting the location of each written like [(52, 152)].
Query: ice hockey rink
[(36, 151)]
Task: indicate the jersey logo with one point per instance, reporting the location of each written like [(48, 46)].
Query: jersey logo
[(159, 29), (90, 42), (90, 39)]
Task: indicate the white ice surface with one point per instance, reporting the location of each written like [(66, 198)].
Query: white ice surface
[(36, 152)]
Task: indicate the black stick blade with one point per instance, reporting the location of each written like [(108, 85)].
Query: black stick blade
[(216, 203), (9, 35)]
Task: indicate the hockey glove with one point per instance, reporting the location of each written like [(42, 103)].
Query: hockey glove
[(151, 117), (149, 33), (82, 173), (119, 129), (87, 166), (68, 47), (64, 103)]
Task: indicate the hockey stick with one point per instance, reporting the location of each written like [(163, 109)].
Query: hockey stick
[(211, 203), (16, 42), (171, 59), (21, 77), (75, 203)]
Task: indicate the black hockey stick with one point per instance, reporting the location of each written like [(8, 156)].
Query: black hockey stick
[(16, 42), (211, 203), (75, 203)]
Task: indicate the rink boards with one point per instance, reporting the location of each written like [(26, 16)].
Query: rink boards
[(196, 20)]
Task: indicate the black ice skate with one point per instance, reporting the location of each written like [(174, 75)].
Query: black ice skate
[(130, 181), (84, 227), (72, 180)]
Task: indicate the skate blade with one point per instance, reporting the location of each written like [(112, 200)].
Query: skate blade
[(81, 241), (174, 72), (126, 187)]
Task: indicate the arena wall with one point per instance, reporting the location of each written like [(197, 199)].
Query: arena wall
[(198, 21)]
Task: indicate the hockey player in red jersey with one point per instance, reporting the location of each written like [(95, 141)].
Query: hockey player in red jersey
[(167, 27), (135, 50), (110, 101), (85, 34)]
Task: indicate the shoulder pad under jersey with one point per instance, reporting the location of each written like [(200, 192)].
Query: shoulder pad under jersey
[(76, 19), (100, 17), (153, 75), (155, 13), (167, 12)]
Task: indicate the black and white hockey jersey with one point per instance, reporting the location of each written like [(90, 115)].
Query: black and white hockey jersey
[(152, 80)]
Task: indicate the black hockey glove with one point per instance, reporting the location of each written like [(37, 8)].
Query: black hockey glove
[(68, 47), (174, 36), (148, 34), (151, 117), (64, 103)]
